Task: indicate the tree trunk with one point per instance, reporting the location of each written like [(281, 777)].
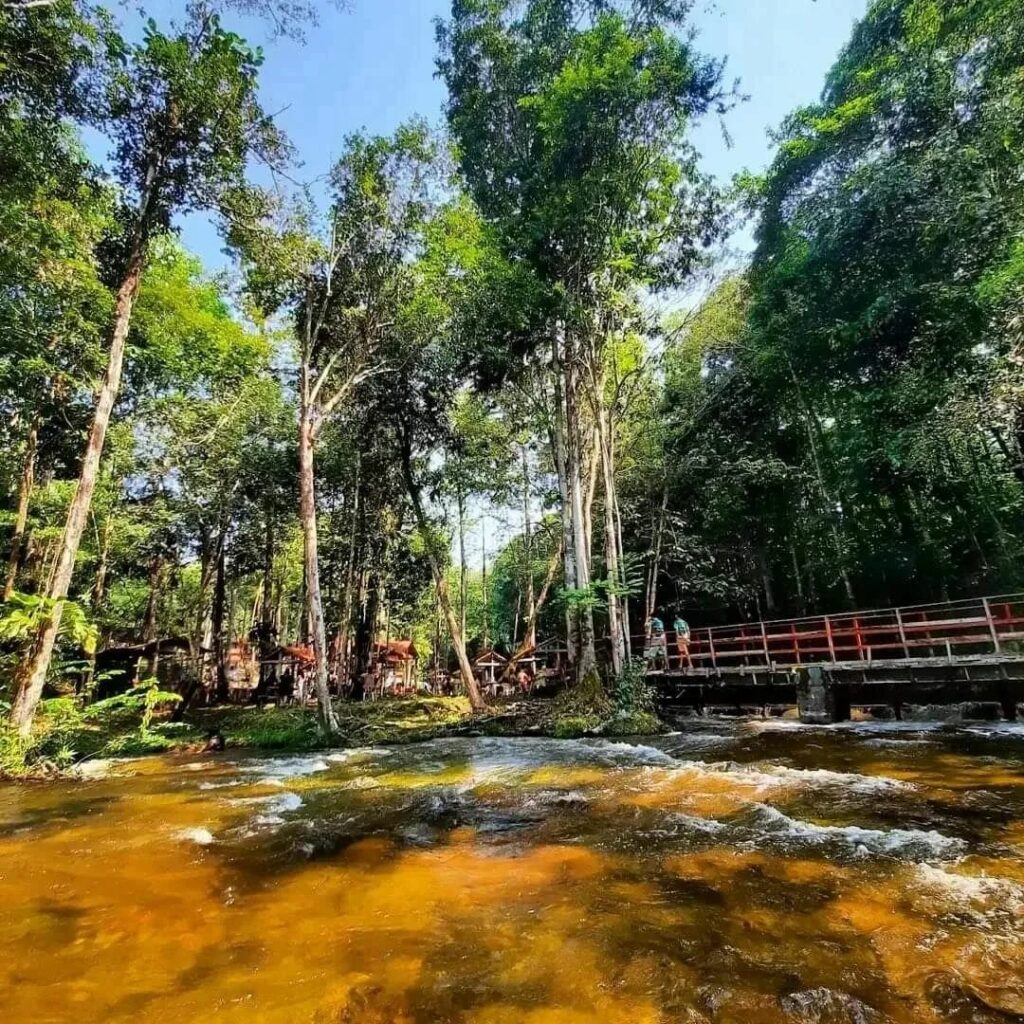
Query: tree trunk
[(766, 580), (149, 621), (626, 633), (558, 450), (267, 609), (463, 592), (348, 600), (811, 427), (99, 592), (485, 639), (25, 485), (653, 570), (531, 626), (221, 691), (530, 636), (611, 552), (440, 583), (798, 579), (30, 676), (99, 587), (586, 662), (307, 516)]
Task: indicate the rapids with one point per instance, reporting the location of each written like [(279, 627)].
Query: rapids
[(730, 873)]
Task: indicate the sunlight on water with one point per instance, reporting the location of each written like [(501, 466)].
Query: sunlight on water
[(746, 874)]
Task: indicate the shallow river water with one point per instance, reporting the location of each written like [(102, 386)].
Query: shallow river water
[(732, 873)]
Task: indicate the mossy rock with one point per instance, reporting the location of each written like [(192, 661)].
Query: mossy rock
[(633, 723), (573, 726)]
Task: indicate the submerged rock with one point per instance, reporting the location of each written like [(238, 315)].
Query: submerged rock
[(827, 1006)]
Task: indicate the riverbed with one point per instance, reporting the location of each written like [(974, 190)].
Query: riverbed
[(733, 872)]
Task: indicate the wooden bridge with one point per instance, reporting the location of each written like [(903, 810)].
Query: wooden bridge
[(949, 653)]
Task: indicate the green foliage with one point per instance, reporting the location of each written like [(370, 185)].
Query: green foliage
[(142, 701), (631, 691), (22, 614)]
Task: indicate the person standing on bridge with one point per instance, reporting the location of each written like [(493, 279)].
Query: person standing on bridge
[(681, 628), (657, 649)]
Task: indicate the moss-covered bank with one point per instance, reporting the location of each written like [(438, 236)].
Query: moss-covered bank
[(66, 736)]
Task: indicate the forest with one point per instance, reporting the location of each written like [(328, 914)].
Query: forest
[(521, 322)]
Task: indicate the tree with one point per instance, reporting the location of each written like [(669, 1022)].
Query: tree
[(453, 253), (889, 206), (183, 114), (343, 291), (571, 122)]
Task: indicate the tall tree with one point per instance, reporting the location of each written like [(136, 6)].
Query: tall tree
[(571, 120), (182, 111)]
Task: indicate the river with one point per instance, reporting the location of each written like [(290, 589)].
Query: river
[(758, 872)]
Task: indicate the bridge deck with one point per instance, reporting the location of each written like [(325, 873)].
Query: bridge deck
[(974, 632)]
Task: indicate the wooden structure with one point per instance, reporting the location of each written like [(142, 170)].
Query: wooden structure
[(397, 661), (984, 629), (976, 640), (119, 668), (488, 667)]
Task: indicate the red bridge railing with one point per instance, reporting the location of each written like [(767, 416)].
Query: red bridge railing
[(984, 628)]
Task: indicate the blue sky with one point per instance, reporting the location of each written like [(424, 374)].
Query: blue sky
[(372, 66)]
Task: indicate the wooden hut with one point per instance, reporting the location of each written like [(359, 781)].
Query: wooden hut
[(119, 668), (488, 668), (398, 660)]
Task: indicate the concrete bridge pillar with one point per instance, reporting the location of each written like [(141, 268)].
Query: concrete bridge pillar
[(812, 696)]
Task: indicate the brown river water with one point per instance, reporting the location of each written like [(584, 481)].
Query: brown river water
[(730, 873)]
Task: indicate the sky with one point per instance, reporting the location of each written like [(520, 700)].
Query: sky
[(371, 66)]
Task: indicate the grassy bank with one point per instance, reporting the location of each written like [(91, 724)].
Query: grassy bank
[(67, 734)]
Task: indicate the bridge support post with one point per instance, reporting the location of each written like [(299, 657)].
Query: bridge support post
[(812, 698)]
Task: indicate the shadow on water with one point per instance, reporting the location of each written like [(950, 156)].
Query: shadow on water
[(41, 816)]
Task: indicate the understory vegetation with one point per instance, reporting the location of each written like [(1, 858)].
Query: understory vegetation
[(68, 738), (492, 384)]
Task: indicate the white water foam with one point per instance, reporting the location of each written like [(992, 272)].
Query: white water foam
[(199, 836), (358, 754), (908, 844), (272, 807), (557, 797), (273, 770), (972, 888), (849, 781), (1009, 730), (897, 743), (699, 740), (765, 778), (98, 768), (229, 784), (627, 753), (688, 824), (866, 727)]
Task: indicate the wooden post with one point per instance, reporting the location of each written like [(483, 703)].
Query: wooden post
[(711, 648), (764, 643), (831, 644), (903, 634), (991, 625)]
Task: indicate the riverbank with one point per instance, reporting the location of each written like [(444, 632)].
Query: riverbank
[(66, 736)]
